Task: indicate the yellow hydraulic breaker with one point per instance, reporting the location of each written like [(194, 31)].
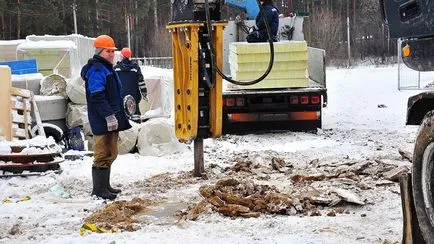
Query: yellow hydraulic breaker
[(188, 79)]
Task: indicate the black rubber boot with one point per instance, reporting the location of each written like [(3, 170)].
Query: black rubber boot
[(112, 190), (100, 180)]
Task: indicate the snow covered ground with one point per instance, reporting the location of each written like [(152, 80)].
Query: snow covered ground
[(355, 129)]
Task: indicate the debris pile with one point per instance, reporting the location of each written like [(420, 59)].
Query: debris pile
[(318, 188), (119, 215), (235, 198)]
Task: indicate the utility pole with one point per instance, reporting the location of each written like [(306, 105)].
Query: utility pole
[(74, 11), (348, 34), (18, 19), (155, 16), (348, 41), (128, 31)]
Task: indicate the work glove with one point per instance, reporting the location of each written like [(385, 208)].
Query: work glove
[(254, 34), (144, 93), (112, 123)]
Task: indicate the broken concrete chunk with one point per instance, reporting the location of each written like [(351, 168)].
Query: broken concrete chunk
[(395, 173), (278, 164), (348, 196), (300, 178), (406, 155)]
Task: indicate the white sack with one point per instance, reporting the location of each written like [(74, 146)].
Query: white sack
[(128, 138), (53, 84), (76, 91), (157, 138)]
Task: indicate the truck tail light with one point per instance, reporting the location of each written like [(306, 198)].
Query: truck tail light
[(230, 102), (293, 99), (304, 99), (315, 99), (241, 102)]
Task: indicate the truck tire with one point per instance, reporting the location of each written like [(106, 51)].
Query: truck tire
[(423, 177)]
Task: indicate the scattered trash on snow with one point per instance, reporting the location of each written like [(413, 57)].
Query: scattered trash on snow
[(59, 191)]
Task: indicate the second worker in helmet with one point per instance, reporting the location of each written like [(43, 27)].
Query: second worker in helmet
[(132, 80)]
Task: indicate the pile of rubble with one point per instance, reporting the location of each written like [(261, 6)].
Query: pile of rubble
[(246, 199), (318, 188)]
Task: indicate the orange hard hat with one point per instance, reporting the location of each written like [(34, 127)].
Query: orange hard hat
[(126, 52), (104, 41)]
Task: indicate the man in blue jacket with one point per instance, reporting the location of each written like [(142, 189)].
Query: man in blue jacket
[(132, 80), (259, 33), (106, 113)]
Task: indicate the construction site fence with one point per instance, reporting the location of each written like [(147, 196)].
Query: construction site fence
[(159, 62)]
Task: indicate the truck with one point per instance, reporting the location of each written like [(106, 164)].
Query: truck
[(200, 41), (412, 22)]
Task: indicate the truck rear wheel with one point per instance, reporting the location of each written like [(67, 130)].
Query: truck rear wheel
[(423, 177)]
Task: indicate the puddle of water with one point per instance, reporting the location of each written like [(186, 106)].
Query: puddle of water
[(162, 213)]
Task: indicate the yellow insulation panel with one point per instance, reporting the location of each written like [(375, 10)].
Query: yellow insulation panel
[(262, 66), (265, 57), (264, 47), (279, 74), (275, 83), (249, 61)]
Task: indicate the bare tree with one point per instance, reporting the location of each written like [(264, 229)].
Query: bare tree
[(327, 33)]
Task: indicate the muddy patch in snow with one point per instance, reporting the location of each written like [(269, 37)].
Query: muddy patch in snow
[(119, 215)]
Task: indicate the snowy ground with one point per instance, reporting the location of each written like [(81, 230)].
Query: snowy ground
[(354, 129)]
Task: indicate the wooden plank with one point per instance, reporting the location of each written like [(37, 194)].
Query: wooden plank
[(21, 118), (35, 110), (21, 92), (20, 133), (26, 118), (5, 113), (411, 230), (17, 105)]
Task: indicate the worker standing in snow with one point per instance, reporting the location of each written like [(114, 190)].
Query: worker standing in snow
[(259, 32), (132, 80), (106, 113)]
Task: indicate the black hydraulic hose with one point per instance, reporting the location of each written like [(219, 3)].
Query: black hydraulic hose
[(270, 41)]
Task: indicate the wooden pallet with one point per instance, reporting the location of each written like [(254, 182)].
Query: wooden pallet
[(20, 109), (15, 117)]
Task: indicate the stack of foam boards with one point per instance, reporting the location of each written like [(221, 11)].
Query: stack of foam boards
[(248, 61)]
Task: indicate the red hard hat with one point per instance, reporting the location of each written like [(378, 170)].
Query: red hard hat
[(104, 41), (126, 52)]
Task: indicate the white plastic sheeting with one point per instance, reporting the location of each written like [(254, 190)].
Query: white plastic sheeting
[(8, 50), (157, 138), (53, 84), (84, 48), (59, 57), (160, 95), (76, 115), (128, 138)]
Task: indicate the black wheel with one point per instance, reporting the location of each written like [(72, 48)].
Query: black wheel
[(423, 177)]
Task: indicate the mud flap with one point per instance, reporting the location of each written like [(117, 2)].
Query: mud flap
[(411, 233)]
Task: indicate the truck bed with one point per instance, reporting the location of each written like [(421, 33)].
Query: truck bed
[(314, 87)]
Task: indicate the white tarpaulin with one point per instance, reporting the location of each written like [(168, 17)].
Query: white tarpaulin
[(160, 95)]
